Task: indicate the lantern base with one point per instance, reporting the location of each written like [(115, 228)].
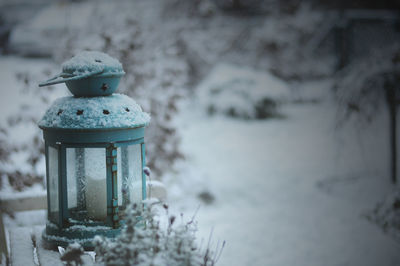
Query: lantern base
[(54, 236)]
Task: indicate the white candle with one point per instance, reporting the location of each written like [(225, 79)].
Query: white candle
[(96, 198)]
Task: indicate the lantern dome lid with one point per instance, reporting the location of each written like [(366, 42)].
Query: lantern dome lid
[(89, 74), (103, 112), (92, 62)]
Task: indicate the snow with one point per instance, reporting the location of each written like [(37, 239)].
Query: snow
[(123, 112), (40, 34), (264, 83), (287, 192), (21, 243), (294, 191), (46, 257), (239, 91), (21, 108), (64, 239), (92, 61), (156, 190), (11, 95), (8, 193), (87, 228)]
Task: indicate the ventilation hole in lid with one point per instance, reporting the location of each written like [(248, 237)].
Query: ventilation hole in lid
[(127, 109), (104, 87), (59, 112), (106, 112), (79, 112), (97, 60)]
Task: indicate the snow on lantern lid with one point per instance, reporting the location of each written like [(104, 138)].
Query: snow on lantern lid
[(92, 77), (114, 111), (93, 62), (89, 74)]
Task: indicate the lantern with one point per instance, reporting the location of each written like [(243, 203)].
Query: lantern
[(95, 152)]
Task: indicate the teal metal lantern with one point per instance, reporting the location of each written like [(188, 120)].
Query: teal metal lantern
[(95, 152)]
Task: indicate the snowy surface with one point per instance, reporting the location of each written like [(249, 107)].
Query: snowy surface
[(287, 192), (294, 191), (20, 110), (40, 34), (114, 111), (240, 91), (12, 95), (92, 61), (263, 84)]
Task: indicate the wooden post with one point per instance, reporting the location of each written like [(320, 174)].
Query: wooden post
[(392, 103), (393, 141), (35, 202), (3, 243)]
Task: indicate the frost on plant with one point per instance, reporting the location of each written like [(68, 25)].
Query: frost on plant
[(387, 215), (73, 253), (360, 87), (151, 239)]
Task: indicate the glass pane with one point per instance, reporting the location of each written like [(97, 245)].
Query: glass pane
[(119, 177), (135, 173), (86, 180), (122, 174), (71, 178), (96, 183), (75, 178), (53, 184), (129, 165)]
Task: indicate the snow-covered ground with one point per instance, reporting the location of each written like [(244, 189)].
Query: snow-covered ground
[(289, 191), (293, 190)]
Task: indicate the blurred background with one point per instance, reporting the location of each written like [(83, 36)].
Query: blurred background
[(276, 118)]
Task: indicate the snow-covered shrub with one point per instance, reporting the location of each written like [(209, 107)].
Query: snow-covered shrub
[(244, 93), (361, 93), (235, 99), (73, 253), (148, 239), (360, 87), (22, 160), (292, 42), (387, 214)]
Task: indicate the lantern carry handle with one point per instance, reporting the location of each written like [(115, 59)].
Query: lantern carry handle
[(63, 77)]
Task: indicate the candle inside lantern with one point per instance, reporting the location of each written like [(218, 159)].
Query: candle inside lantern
[(95, 183), (96, 198)]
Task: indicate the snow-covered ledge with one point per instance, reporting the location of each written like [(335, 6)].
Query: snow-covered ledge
[(156, 190)]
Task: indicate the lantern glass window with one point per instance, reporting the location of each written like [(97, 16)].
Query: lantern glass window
[(53, 184), (75, 181), (87, 183), (129, 164)]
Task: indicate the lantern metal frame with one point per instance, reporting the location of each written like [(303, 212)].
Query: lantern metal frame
[(110, 139)]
